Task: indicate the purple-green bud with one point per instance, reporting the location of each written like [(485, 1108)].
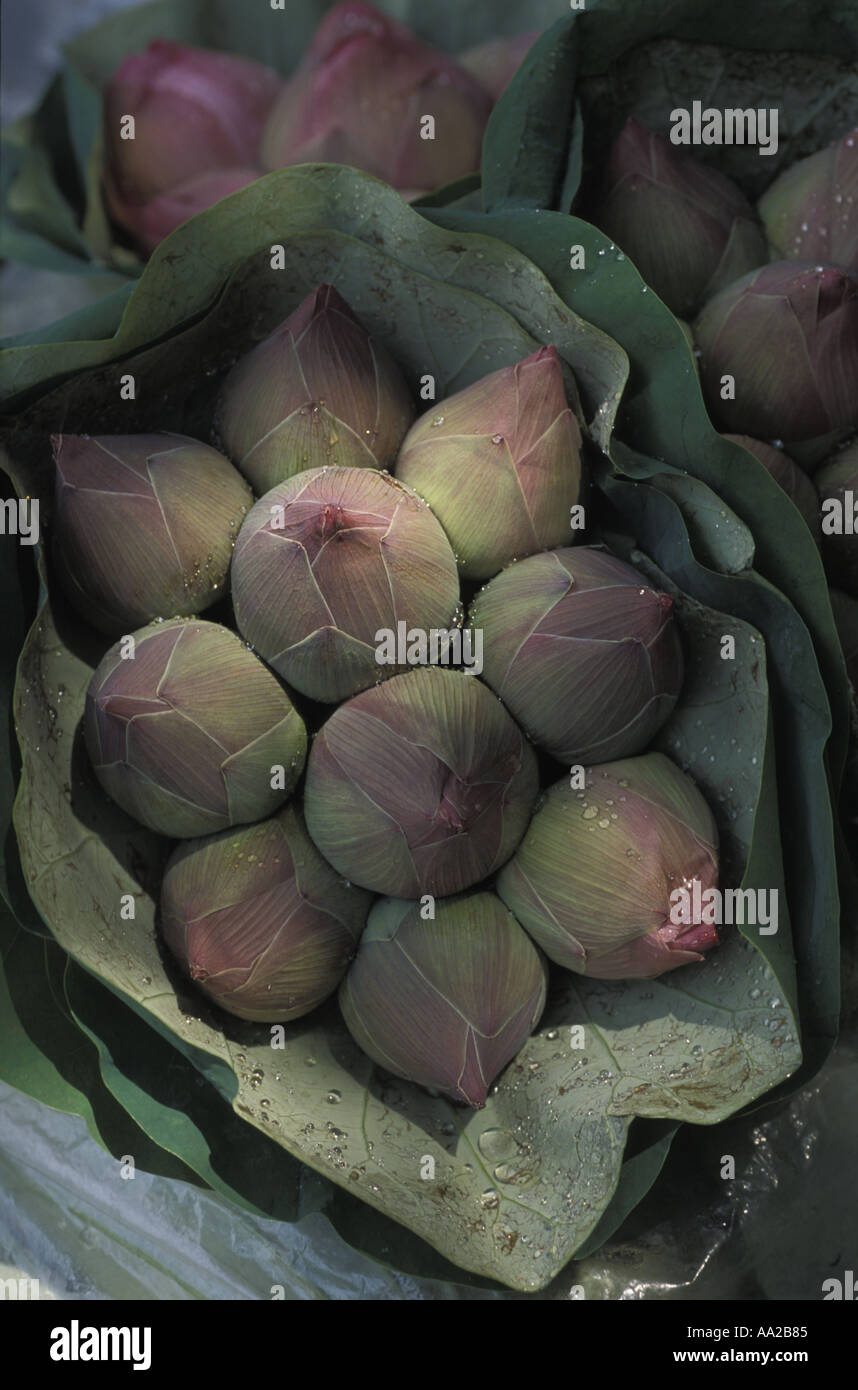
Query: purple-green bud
[(837, 483), (445, 1002), (357, 552), (423, 784), (794, 481), (144, 526), (595, 880), (258, 919), (779, 354), (582, 651), (319, 390), (499, 464), (189, 732), (689, 230), (810, 212)]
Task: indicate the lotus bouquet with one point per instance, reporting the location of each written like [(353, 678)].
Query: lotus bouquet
[(433, 712)]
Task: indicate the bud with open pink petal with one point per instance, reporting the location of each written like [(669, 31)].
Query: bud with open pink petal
[(594, 877)]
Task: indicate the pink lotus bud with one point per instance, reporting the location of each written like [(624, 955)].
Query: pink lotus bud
[(194, 111), (360, 98), (499, 464), (810, 212), (495, 62), (779, 354), (156, 219), (613, 880), (689, 230), (317, 391)]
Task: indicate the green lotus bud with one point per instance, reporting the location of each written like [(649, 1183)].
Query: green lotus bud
[(421, 785), (837, 483), (144, 525), (779, 354), (845, 610), (189, 732), (582, 651), (446, 1002), (258, 919), (317, 391), (810, 212), (357, 553), (794, 481), (611, 880), (499, 464), (688, 229)]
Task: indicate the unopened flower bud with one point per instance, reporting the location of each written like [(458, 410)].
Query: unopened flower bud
[(318, 391), (446, 1002), (582, 651), (144, 526), (611, 881), (499, 464), (259, 921), (189, 732)]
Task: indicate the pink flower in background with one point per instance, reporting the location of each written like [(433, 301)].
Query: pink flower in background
[(358, 99), (495, 62), (160, 216), (195, 112)]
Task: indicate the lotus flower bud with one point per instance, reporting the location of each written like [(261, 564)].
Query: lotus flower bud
[(448, 1002), (194, 111), (499, 464), (421, 785), (688, 229), (786, 337), (361, 95), (317, 391), (837, 482), (845, 610), (495, 62), (582, 652), (810, 212), (358, 554), (595, 878), (791, 478), (189, 732), (156, 219), (258, 919), (144, 525)]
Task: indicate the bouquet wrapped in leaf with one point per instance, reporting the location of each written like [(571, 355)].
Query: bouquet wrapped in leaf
[(477, 954)]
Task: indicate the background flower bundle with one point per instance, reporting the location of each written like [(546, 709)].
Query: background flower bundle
[(733, 688)]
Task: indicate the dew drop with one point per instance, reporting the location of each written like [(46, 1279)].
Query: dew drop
[(490, 1199), (333, 1097)]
